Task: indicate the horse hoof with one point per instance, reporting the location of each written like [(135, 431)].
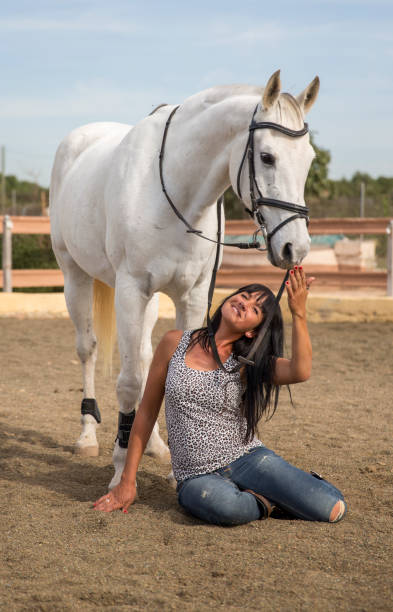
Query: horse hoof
[(166, 457), (171, 480), (115, 481), (87, 451)]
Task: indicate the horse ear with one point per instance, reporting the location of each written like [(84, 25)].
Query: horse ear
[(271, 91), (307, 98)]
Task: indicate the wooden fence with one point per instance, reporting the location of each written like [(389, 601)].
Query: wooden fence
[(227, 276)]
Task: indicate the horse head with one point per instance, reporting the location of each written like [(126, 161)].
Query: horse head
[(269, 171)]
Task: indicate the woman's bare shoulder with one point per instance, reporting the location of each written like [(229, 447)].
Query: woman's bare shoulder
[(173, 336), (169, 342)]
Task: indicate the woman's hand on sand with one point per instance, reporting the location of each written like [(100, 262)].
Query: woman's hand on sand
[(297, 291), (120, 498)]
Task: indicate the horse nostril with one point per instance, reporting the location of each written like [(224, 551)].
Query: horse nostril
[(287, 251)]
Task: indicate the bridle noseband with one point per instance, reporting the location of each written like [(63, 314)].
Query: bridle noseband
[(300, 212)]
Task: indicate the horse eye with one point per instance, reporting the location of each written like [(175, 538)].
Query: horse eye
[(268, 159)]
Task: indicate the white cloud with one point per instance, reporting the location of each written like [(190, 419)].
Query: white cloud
[(372, 4), (347, 31), (91, 98), (220, 76), (219, 35), (83, 24)]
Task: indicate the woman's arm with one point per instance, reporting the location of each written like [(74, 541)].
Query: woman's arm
[(298, 368), (123, 495)]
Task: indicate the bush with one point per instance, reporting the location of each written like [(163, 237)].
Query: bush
[(234, 208), (30, 252)]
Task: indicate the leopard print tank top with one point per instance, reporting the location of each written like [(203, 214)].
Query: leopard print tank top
[(202, 410)]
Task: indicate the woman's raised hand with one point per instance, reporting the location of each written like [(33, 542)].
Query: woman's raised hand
[(120, 498), (297, 290)]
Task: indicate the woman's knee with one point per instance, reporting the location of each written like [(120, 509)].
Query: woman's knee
[(338, 511), (331, 511), (218, 501)]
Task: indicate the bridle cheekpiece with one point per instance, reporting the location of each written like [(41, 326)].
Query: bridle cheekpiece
[(256, 197)]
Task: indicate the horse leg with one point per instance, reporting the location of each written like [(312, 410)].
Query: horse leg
[(191, 307), (78, 291), (134, 338)]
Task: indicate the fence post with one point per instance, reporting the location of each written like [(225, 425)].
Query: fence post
[(389, 231), (7, 254)]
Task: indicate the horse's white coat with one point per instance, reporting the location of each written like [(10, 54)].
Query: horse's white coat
[(110, 219)]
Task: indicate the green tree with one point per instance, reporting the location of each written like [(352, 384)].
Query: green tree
[(317, 184), (27, 193), (234, 208)]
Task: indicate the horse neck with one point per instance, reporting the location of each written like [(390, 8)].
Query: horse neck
[(198, 152)]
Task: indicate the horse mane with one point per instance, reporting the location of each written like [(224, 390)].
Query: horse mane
[(288, 111), (157, 108)]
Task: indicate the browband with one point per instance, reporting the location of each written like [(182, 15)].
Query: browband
[(255, 125)]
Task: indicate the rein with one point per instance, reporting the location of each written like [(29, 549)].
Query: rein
[(262, 332), (300, 212), (190, 229)]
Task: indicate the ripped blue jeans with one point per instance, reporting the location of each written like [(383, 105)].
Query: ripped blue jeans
[(220, 497)]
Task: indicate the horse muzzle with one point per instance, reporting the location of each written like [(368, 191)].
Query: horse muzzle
[(286, 254)]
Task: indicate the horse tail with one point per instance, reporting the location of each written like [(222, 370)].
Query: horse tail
[(105, 321)]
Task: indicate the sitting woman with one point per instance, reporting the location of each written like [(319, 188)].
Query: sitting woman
[(224, 474)]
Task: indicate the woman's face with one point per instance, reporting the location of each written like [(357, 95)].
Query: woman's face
[(243, 311)]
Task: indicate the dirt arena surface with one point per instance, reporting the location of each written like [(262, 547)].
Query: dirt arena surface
[(58, 554)]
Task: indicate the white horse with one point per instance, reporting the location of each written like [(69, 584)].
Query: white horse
[(111, 221)]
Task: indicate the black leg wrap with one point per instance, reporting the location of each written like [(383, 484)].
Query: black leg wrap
[(89, 406), (125, 424)]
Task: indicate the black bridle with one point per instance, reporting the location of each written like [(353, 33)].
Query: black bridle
[(300, 212), (191, 230)]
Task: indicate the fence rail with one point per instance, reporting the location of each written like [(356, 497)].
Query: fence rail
[(330, 225), (227, 276), (327, 278), (28, 225)]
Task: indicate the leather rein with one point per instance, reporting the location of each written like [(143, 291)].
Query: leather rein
[(257, 201)]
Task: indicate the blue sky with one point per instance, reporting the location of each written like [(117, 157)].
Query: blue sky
[(69, 62)]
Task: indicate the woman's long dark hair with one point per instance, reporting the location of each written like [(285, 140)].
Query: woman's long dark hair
[(261, 394)]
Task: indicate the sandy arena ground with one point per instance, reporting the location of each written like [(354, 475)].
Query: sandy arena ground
[(58, 554)]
